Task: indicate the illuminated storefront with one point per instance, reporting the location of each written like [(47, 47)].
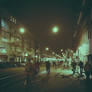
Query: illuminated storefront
[(12, 43), (85, 48)]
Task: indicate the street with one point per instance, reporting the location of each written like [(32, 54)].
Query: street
[(45, 45), (9, 78), (15, 80)]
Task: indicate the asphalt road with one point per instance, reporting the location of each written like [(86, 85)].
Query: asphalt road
[(16, 80)]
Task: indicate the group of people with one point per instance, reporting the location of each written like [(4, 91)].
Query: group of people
[(84, 68), (34, 68), (74, 67), (48, 67)]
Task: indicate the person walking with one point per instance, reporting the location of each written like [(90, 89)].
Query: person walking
[(37, 66), (87, 69), (54, 64), (29, 66), (30, 75), (73, 67), (81, 65), (48, 67)]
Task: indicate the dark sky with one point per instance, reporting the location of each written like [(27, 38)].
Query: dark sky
[(41, 15)]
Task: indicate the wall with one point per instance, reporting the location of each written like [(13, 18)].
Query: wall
[(84, 47)]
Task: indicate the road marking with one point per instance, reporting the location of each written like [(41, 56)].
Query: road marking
[(9, 76), (5, 77)]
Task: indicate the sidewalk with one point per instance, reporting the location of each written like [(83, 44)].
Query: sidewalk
[(60, 70), (60, 80)]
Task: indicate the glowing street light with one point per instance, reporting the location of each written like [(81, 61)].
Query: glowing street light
[(46, 48), (22, 30), (61, 50), (55, 29)]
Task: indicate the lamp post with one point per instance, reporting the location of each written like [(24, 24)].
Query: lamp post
[(22, 31)]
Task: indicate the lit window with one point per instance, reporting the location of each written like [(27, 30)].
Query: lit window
[(13, 20)]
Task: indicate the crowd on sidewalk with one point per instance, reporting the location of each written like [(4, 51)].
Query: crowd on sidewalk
[(77, 67)]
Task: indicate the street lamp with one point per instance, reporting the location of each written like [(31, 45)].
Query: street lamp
[(61, 50), (22, 30), (55, 29), (46, 48)]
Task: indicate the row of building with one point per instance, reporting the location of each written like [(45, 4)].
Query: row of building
[(83, 35), (14, 46)]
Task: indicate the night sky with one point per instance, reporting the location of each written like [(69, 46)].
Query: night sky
[(41, 15)]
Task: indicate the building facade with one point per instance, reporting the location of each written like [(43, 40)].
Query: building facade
[(14, 46), (83, 33)]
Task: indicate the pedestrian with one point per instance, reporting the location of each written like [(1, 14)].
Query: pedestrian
[(91, 68), (30, 75), (81, 65), (77, 65), (48, 67), (54, 64), (73, 64), (87, 69), (28, 66), (37, 66), (67, 62)]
